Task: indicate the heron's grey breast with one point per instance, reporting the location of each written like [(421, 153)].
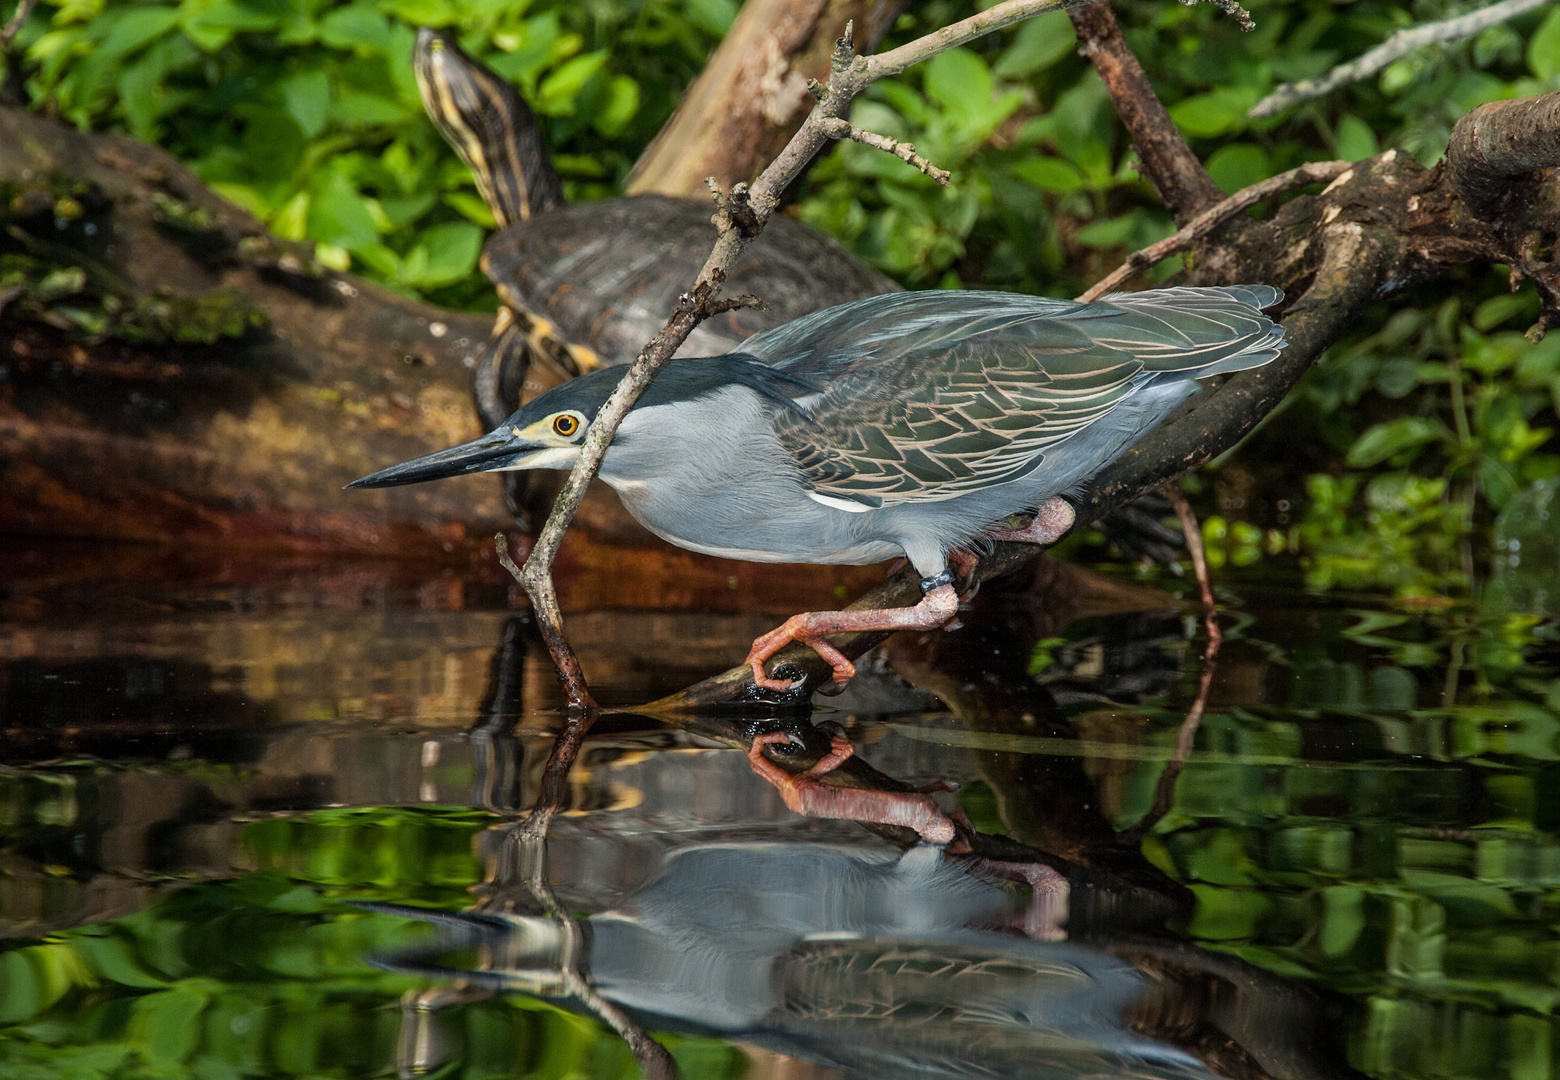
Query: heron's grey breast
[(709, 475)]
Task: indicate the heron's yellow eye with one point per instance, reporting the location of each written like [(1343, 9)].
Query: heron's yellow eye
[(566, 425)]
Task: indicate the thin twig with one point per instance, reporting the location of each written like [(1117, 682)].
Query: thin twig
[(1399, 44), (739, 218), (14, 26), (737, 303), (1241, 16), (841, 129), (551, 626), (1319, 172)]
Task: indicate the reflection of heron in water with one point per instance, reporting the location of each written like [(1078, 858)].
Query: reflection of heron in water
[(869, 960)]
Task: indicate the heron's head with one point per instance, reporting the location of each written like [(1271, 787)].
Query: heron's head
[(547, 433)]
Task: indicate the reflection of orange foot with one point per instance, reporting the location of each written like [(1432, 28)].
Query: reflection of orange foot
[(809, 628), (804, 794)]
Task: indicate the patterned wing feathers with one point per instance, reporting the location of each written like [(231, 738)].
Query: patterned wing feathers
[(974, 387)]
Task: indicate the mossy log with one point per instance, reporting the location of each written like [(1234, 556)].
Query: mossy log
[(170, 372)]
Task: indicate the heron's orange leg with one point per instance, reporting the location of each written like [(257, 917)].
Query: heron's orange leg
[(804, 794), (935, 609), (1052, 519)]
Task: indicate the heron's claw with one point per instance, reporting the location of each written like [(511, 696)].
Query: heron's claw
[(810, 628)]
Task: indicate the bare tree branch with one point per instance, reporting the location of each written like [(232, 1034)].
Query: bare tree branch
[(1492, 151), (842, 129), (1354, 264), (1398, 45), (1164, 159), (1209, 220)]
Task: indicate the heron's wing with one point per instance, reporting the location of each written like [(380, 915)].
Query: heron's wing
[(928, 397)]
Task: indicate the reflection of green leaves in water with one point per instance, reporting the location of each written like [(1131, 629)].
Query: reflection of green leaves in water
[(264, 975), (1405, 855)]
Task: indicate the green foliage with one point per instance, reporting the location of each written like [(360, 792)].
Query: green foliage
[(265, 975), (1475, 409), (1417, 872), (305, 112)]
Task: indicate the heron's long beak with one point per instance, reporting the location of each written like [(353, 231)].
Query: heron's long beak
[(486, 454)]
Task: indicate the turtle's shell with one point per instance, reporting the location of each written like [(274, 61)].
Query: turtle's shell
[(605, 275)]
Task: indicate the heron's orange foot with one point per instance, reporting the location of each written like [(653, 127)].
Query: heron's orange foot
[(804, 793), (811, 628)]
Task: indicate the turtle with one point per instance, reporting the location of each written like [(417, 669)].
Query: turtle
[(585, 285)]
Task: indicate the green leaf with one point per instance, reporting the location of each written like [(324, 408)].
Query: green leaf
[(1109, 233), (306, 97), (242, 195), (367, 110), (338, 216), (1498, 309), (443, 255), (712, 16), (1343, 919), (1355, 139), (1238, 166), (1049, 174), (273, 144), (1218, 112), (405, 211), (1039, 43), (472, 208), (420, 12), (356, 27), (291, 222), (1543, 52), (167, 1024), (138, 27), (558, 92), (211, 24), (112, 958), (20, 997), (960, 80), (620, 107), (1392, 438)]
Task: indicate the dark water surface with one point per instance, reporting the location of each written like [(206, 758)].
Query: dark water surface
[(267, 821)]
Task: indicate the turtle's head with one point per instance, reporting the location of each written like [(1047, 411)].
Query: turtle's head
[(546, 433), (489, 125)]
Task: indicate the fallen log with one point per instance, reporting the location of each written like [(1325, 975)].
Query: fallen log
[(202, 382)]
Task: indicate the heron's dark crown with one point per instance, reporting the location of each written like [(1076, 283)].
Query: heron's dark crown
[(682, 380)]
